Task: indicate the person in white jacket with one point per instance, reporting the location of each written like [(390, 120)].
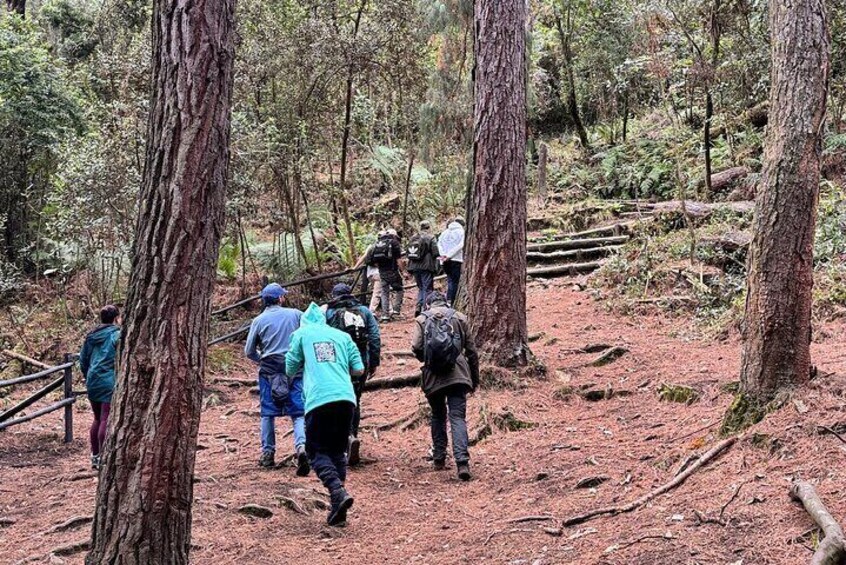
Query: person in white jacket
[(451, 249)]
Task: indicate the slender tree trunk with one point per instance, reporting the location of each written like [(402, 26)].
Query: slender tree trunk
[(496, 255), (405, 233), (777, 324), (706, 139), (345, 143), (17, 6), (572, 99), (543, 155), (143, 508)]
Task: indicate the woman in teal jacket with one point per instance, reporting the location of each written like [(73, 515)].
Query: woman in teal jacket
[(97, 361)]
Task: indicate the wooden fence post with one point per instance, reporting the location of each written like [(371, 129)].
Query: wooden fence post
[(68, 393)]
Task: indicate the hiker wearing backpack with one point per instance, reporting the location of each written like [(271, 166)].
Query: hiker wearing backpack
[(329, 360), (385, 255), (372, 275), (347, 314), (442, 342), (97, 362), (451, 247), (280, 392), (422, 256)]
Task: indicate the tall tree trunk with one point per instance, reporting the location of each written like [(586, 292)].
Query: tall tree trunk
[(777, 324), (572, 99), (345, 142), (411, 155), (17, 6), (706, 139), (143, 509), (496, 254)]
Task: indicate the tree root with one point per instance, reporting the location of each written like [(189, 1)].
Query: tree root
[(832, 550), (682, 477)]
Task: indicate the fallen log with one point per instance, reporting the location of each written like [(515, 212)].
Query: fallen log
[(726, 179), (25, 359), (616, 229), (679, 479), (578, 243), (563, 270), (832, 549), (393, 382), (572, 254), (700, 210)]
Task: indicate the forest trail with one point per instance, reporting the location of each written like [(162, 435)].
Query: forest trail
[(407, 513)]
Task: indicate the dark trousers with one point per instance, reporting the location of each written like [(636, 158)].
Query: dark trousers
[(452, 269), (450, 401), (425, 281), (97, 433), (358, 387), (391, 286), (327, 433)]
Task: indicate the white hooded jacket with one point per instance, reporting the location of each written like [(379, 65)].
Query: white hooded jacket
[(451, 243)]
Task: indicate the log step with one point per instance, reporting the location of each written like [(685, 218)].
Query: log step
[(587, 243), (577, 254)]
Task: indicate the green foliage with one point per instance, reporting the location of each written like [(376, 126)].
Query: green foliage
[(227, 260)]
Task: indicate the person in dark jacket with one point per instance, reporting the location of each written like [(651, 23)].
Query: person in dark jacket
[(385, 255), (423, 262), (97, 362), (447, 392), (267, 344), (347, 314)]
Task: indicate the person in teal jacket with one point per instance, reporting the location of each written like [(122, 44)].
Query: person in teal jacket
[(328, 358), (97, 362)]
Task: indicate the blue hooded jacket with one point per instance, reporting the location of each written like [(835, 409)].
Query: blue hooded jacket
[(97, 362), (326, 356)]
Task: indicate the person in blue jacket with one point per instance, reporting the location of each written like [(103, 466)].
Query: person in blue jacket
[(328, 359), (267, 344), (97, 362), (347, 314)]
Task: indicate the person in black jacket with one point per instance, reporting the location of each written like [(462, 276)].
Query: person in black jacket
[(385, 254), (447, 390), (422, 256)]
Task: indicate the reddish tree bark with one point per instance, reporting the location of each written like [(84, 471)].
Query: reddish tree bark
[(143, 512), (495, 276), (777, 324)]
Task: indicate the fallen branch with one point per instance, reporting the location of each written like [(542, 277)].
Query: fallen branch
[(832, 550), (393, 382), (25, 359), (624, 545), (833, 432), (523, 519), (682, 477), (549, 531)]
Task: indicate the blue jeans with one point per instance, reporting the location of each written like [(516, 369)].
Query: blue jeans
[(268, 433), (452, 269), (425, 285)]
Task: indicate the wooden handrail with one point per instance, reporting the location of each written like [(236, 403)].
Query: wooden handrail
[(36, 376), (46, 410), (27, 402)]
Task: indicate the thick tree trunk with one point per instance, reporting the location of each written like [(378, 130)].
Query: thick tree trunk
[(496, 255), (143, 510), (572, 99), (17, 6), (777, 324)]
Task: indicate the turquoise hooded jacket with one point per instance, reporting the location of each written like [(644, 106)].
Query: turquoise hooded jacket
[(97, 362), (326, 356)]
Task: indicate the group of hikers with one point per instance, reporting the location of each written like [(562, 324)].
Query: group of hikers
[(313, 365), (426, 255)]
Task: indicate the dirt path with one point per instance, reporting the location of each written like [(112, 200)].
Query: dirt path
[(407, 513)]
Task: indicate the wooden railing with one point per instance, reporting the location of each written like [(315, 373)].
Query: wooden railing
[(65, 382)]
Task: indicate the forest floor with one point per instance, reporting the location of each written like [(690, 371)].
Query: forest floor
[(405, 512)]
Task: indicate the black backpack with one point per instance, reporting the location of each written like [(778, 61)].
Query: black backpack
[(383, 251), (351, 320), (418, 248), (441, 343)]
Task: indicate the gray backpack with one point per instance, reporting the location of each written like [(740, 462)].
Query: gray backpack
[(441, 343)]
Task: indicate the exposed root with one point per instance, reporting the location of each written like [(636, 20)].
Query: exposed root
[(832, 550), (682, 477)]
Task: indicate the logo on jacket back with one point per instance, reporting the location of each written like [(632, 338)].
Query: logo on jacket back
[(324, 352)]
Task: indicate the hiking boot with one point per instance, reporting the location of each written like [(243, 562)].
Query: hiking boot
[(353, 449), (95, 462), (303, 468), (341, 502), (439, 464), (384, 319), (267, 460), (464, 471)]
